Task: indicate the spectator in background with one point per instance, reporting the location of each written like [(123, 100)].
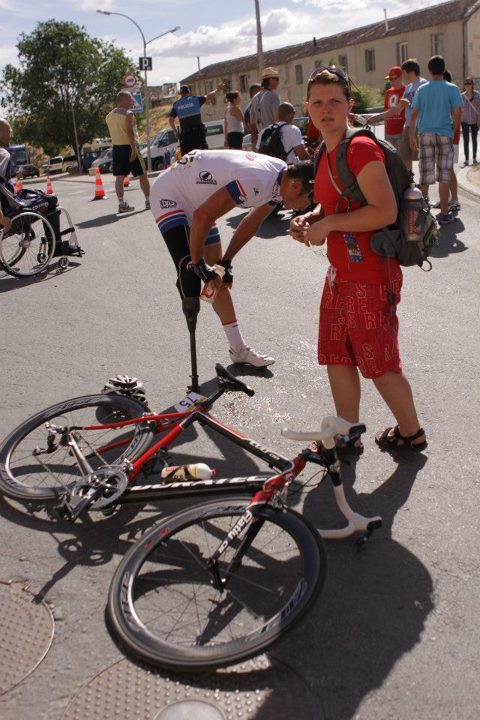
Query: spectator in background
[(192, 133), (470, 111), (5, 164), (411, 78), (233, 122), (252, 91), (126, 156), (265, 104), (394, 123), (290, 134), (436, 104), (453, 202)]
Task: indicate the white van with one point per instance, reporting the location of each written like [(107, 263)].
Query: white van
[(61, 163), (165, 140)]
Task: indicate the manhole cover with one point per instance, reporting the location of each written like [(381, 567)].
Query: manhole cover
[(26, 633), (263, 685)]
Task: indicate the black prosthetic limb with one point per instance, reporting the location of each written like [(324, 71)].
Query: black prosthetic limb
[(191, 308)]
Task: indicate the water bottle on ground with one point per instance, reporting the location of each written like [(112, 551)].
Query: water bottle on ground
[(196, 471)]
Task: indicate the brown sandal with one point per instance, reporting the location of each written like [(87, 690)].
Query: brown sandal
[(388, 440)]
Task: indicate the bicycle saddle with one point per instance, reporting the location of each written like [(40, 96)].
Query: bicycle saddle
[(227, 380)]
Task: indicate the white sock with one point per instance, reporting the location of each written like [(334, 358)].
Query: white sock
[(234, 336)]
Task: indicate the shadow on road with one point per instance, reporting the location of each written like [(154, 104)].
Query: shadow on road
[(449, 243)]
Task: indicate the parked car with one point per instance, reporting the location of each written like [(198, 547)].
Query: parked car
[(27, 170), (162, 142), (103, 162), (62, 163)]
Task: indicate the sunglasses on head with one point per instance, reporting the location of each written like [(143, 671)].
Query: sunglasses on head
[(341, 74), (468, 82)]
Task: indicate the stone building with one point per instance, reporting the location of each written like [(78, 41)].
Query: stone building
[(451, 29)]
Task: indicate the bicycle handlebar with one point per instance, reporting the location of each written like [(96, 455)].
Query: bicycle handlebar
[(330, 427)]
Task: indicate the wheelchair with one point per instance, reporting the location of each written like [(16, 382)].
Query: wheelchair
[(36, 235)]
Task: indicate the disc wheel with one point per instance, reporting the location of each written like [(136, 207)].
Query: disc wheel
[(163, 605), (27, 247), (37, 464)]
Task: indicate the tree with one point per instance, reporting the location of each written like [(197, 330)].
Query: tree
[(65, 85)]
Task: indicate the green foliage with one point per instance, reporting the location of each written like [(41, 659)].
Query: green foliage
[(363, 96), (63, 74), (383, 90)]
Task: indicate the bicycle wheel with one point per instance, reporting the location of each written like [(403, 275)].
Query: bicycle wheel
[(164, 609), (37, 465), (26, 249)]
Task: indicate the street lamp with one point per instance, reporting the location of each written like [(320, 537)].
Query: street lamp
[(145, 43)]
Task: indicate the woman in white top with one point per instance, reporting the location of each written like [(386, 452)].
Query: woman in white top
[(233, 121), (470, 122)]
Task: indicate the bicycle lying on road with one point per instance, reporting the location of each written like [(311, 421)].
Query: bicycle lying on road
[(211, 585)]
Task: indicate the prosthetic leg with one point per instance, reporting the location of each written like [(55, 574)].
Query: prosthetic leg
[(191, 308)]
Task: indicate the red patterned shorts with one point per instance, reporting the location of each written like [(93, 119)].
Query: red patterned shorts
[(359, 326)]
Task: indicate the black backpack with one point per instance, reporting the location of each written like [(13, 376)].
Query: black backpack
[(271, 142), (390, 241)]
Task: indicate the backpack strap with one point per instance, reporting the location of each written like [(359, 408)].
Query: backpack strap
[(346, 176)]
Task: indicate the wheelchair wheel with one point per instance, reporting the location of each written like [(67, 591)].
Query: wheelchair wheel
[(26, 249)]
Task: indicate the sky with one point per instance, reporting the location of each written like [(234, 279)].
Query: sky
[(210, 31)]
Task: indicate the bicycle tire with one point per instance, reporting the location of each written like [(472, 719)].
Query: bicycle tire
[(27, 247), (33, 471), (161, 623)]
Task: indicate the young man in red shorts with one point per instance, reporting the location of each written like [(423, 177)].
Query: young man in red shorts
[(358, 322)]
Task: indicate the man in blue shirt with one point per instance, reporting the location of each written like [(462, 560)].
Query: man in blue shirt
[(436, 109), (192, 133)]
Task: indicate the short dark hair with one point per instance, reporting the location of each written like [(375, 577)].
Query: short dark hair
[(303, 171), (230, 96), (411, 65), (184, 89), (253, 89), (436, 65)]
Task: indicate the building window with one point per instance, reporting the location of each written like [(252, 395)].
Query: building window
[(369, 60), (436, 44), (227, 84), (343, 62), (243, 83), (299, 74), (402, 52)]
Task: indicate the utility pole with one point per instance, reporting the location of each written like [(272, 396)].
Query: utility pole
[(259, 39)]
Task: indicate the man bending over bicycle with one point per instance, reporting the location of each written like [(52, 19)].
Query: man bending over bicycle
[(189, 197)]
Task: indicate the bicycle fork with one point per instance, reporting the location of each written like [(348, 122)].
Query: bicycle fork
[(253, 526)]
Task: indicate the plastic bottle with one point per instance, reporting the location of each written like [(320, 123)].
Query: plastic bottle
[(196, 471), (414, 206)]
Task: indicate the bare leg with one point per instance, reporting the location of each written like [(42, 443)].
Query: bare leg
[(443, 191), (345, 385), (453, 186), (119, 187), (145, 185), (223, 304), (397, 393)]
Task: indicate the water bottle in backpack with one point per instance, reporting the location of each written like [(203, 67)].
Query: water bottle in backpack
[(414, 214)]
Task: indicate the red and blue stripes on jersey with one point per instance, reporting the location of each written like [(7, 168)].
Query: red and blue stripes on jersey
[(172, 219), (236, 192)]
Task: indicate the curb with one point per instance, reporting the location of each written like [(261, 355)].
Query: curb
[(465, 184)]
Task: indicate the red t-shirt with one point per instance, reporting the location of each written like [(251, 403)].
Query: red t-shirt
[(394, 125), (350, 252)]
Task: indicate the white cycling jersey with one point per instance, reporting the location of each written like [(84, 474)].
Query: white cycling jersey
[(250, 179)]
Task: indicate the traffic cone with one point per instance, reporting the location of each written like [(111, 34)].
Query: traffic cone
[(126, 181), (99, 191), (18, 186), (49, 186)]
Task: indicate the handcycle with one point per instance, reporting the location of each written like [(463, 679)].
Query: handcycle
[(216, 583), (27, 248)]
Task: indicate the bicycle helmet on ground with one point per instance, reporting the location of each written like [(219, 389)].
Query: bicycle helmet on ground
[(125, 385)]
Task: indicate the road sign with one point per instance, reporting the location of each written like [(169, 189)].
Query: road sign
[(138, 107), (145, 63), (130, 80)]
